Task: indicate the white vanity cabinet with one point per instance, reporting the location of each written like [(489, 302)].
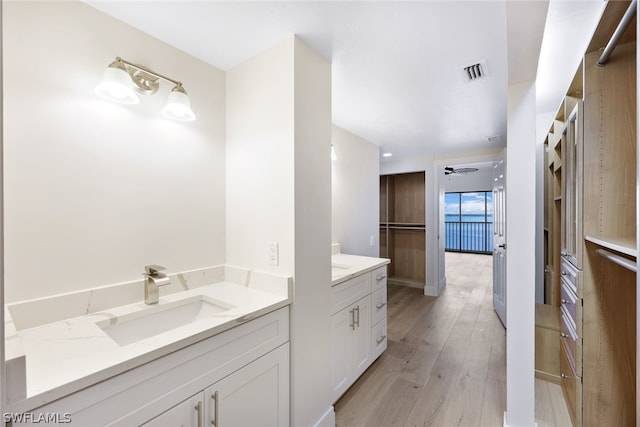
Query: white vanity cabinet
[(358, 325), (262, 386), (246, 368)]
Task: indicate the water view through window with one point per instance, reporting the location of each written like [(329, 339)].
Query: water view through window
[(469, 222)]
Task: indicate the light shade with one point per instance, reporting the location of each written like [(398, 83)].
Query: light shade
[(116, 85), (178, 106)]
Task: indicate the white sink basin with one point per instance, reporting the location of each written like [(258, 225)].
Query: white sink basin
[(160, 318)]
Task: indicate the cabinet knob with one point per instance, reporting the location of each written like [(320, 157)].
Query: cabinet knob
[(563, 335), (564, 376), (564, 301)]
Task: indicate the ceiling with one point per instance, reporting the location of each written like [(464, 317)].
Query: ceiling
[(396, 66)]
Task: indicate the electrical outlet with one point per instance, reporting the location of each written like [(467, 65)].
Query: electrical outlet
[(273, 254)]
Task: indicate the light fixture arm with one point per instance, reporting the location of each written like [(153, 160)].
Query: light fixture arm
[(147, 71)]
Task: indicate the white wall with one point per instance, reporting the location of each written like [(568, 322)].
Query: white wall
[(96, 190), (311, 312), (260, 159), (355, 194), (521, 172), (279, 190)]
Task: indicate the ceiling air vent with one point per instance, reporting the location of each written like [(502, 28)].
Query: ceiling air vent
[(475, 71)]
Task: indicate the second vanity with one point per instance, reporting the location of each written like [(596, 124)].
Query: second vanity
[(358, 317)]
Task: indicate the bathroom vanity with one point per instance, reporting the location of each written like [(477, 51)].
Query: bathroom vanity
[(195, 358), (358, 317)]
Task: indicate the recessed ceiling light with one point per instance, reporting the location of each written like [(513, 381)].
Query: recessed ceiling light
[(387, 155)]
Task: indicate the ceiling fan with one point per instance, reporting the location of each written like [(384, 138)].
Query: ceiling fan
[(458, 171)]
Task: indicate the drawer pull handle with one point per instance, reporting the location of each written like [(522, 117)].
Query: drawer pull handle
[(357, 316), (563, 335), (564, 273), (214, 421), (198, 409), (353, 322), (564, 376), (380, 278), (382, 338), (379, 306)]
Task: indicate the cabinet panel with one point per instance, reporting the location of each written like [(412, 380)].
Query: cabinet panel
[(361, 337), (378, 339), (379, 278), (340, 337), (379, 308), (346, 293), (256, 395), (571, 388), (189, 413)]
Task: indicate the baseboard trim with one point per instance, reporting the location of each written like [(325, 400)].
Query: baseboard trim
[(328, 419), (504, 421)]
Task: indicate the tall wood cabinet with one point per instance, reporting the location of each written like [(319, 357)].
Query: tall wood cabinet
[(591, 206), (402, 227)]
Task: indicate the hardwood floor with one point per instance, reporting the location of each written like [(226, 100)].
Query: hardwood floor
[(445, 362)]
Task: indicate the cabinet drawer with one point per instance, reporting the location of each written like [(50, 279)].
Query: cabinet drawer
[(572, 306), (378, 339), (571, 343), (379, 277), (572, 276), (347, 293), (571, 388), (379, 309)]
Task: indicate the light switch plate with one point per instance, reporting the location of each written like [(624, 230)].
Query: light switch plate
[(273, 254)]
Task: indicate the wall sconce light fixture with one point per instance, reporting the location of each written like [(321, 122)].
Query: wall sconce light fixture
[(122, 77)]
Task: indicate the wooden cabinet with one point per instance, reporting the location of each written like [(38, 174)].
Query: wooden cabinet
[(402, 227), (358, 328), (263, 383), (596, 285)]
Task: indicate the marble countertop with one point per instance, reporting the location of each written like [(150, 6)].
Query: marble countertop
[(65, 356), (344, 266)]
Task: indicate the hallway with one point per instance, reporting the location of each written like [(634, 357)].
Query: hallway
[(445, 364)]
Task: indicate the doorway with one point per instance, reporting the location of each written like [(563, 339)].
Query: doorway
[(472, 220)]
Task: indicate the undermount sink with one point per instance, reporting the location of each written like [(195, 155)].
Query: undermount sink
[(160, 318)]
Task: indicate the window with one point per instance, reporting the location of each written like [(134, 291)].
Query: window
[(469, 222)]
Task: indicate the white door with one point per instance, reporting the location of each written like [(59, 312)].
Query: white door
[(499, 240)]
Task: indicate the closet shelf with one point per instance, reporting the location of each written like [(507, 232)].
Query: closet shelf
[(624, 245)]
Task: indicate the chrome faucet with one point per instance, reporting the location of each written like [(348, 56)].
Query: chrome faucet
[(152, 279)]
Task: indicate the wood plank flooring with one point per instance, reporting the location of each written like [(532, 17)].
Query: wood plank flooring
[(445, 362)]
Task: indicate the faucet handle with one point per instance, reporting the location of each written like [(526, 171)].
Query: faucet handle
[(151, 270)]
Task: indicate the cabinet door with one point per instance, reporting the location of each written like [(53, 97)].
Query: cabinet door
[(189, 413), (256, 395), (341, 328), (361, 337)]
